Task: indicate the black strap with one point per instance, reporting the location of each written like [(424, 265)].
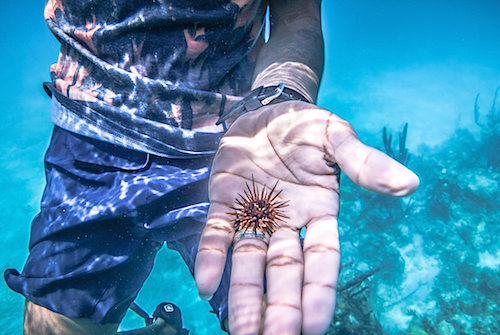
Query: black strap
[(262, 96), (286, 94), (142, 313)]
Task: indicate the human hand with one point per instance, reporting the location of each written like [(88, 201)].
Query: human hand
[(295, 145)]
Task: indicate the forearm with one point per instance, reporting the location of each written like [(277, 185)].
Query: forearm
[(294, 52)]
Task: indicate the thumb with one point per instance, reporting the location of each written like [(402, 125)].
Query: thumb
[(367, 166)]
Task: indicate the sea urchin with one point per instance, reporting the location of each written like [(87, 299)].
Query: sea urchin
[(258, 211)]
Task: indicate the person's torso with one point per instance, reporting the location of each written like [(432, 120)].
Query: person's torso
[(146, 64)]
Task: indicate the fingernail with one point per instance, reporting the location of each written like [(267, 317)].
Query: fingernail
[(206, 297)]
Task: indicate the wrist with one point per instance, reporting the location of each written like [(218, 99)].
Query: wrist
[(295, 76), (262, 96)]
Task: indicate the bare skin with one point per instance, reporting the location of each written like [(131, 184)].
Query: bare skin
[(40, 320), (294, 52), (297, 34), (294, 143)]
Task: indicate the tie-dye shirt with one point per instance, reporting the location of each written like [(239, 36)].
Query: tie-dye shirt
[(145, 74)]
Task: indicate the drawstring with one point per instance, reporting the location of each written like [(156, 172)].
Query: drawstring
[(221, 111), (98, 168)]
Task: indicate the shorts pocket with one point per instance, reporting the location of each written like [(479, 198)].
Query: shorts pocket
[(76, 153)]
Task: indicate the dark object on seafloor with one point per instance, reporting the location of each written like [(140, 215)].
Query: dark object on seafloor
[(353, 312), (490, 131), (401, 154)]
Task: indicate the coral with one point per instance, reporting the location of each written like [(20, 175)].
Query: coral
[(354, 313), (401, 154), (455, 211), (380, 209), (490, 131)]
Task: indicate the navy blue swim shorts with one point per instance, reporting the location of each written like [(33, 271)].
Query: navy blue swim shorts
[(105, 213)]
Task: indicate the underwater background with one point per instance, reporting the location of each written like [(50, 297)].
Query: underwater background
[(417, 79)]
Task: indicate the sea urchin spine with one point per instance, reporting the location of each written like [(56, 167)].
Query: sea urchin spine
[(258, 211)]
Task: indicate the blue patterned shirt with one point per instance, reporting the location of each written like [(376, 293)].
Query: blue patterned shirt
[(149, 74)]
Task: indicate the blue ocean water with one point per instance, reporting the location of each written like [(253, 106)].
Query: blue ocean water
[(432, 259)]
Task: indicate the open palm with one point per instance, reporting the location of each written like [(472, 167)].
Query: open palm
[(297, 147)]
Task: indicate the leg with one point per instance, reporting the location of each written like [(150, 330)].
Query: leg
[(187, 248), (89, 254), (39, 320), (94, 242)]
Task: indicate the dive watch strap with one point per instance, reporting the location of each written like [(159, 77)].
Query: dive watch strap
[(262, 96)]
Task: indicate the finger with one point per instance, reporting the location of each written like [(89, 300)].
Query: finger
[(215, 240), (284, 283), (367, 166), (321, 267), (247, 286)]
